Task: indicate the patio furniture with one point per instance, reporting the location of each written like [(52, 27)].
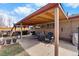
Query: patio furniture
[(41, 37), (37, 35), (49, 37), (15, 34), (33, 32), (25, 32)]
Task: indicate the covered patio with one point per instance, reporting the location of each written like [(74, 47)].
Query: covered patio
[(36, 48), (52, 12)]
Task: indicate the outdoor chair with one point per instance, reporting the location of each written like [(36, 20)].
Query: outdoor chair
[(37, 35), (33, 32), (41, 37), (25, 32), (49, 37)]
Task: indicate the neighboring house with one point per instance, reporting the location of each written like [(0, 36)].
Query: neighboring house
[(4, 28)]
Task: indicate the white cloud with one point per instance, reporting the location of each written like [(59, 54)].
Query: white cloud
[(73, 5), (10, 17), (40, 4), (23, 10), (27, 9), (6, 19)]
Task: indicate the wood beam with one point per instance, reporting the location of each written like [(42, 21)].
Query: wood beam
[(56, 31), (12, 28), (44, 18), (15, 28), (49, 14), (35, 22), (12, 31), (21, 30)]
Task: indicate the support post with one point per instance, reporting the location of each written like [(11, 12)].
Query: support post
[(78, 42), (21, 30), (12, 31), (15, 28), (56, 14)]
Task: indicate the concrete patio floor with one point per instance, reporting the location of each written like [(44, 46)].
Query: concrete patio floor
[(36, 48)]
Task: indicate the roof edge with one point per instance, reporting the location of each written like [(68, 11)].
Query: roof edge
[(60, 6), (42, 9), (45, 7)]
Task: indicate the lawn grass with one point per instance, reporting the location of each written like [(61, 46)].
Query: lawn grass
[(11, 50)]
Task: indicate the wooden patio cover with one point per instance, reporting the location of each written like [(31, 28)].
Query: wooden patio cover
[(43, 15), (52, 12)]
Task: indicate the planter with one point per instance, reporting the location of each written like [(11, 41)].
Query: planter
[(8, 41), (14, 40), (2, 42)]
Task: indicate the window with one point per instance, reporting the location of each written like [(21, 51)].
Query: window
[(52, 25), (42, 26), (48, 25), (61, 29)]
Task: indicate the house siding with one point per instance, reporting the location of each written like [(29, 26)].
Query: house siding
[(69, 28), (66, 28)]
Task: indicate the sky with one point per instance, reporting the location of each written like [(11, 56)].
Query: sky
[(18, 11)]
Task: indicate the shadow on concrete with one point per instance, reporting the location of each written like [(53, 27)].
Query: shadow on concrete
[(68, 46), (28, 42)]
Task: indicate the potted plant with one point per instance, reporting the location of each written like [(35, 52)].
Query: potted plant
[(8, 41), (2, 42), (14, 40)]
